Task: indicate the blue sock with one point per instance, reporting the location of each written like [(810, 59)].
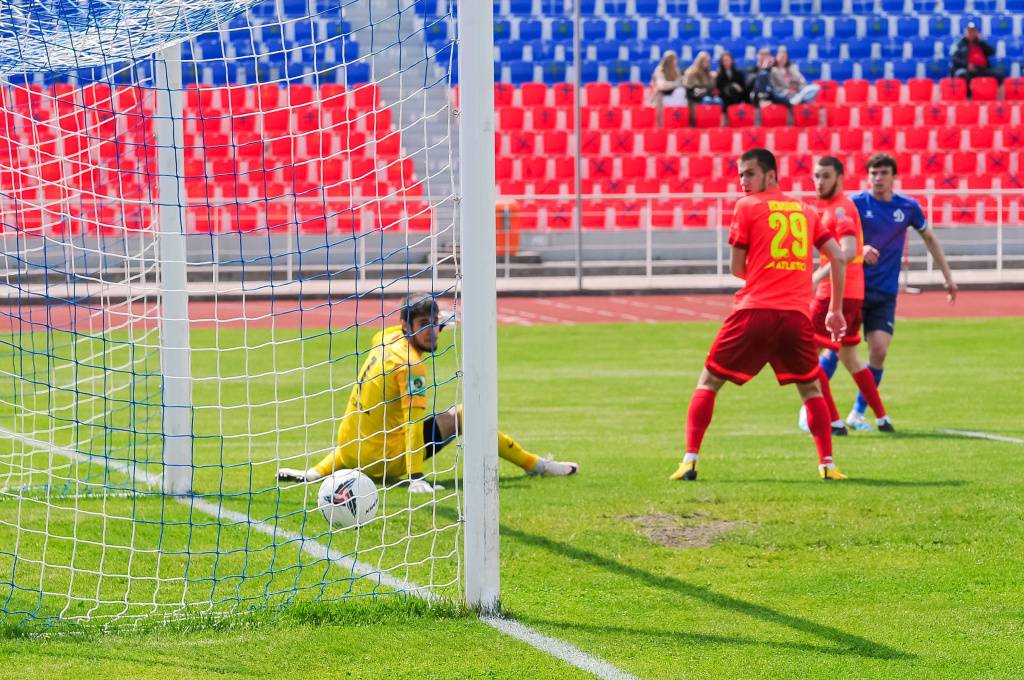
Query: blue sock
[(828, 362), (860, 406)]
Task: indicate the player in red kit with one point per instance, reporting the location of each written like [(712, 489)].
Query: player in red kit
[(772, 238), (839, 214)]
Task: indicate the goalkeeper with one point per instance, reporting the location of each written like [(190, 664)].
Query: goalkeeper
[(386, 431)]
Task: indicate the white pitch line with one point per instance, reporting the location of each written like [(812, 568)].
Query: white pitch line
[(983, 435), (558, 649)]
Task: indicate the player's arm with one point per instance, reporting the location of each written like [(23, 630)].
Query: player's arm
[(849, 246), (933, 246), (738, 262), (835, 321)]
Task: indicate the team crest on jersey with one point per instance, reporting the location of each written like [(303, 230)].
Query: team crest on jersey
[(840, 212), (898, 215), (417, 384), (869, 214)]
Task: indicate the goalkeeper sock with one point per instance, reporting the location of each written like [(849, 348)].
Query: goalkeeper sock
[(861, 404), (698, 418), (828, 362), (510, 450), (821, 428)]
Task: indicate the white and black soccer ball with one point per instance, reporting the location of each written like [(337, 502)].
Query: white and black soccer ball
[(348, 498)]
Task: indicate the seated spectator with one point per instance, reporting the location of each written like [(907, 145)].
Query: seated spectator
[(699, 81), (731, 83), (763, 93), (754, 69), (666, 84), (789, 82), (969, 57)]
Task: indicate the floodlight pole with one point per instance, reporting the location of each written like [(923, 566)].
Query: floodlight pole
[(479, 303), (174, 332)]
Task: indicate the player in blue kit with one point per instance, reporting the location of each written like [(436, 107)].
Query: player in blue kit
[(885, 217)]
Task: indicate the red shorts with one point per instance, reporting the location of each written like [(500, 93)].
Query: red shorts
[(852, 312), (751, 338)]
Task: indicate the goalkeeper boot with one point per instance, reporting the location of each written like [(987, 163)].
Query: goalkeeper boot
[(549, 467), (885, 424), (857, 421), (830, 472), (686, 472)]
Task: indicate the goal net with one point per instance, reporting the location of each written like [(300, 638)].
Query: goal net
[(208, 211)]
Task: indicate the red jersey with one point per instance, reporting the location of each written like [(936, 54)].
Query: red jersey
[(841, 218), (777, 232)]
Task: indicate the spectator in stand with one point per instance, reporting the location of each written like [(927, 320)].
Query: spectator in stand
[(790, 83), (969, 57), (667, 84), (754, 69), (699, 81), (762, 93), (731, 82)]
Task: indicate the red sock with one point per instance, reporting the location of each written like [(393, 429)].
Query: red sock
[(821, 428), (866, 382), (826, 391), (702, 407)]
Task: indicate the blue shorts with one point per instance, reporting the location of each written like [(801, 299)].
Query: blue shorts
[(879, 314)]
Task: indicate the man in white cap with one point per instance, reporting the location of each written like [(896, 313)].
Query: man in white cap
[(969, 57)]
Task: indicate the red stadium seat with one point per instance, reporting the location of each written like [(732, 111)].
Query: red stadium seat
[(904, 161), (594, 215), (612, 187), (837, 115), (856, 91), (774, 115), (696, 212), (700, 167), (799, 165), (916, 139), (591, 142), (707, 116), (674, 117), (599, 167), (752, 138), (888, 91), (883, 139), (978, 182), (609, 118), (533, 168), (932, 163), (920, 90), (663, 214), (806, 115), (715, 185), (952, 90), (511, 187), (502, 94), (564, 94), (687, 141), (966, 113), (935, 114), (555, 142), (681, 185), (721, 140), (643, 117), (560, 214), (998, 114), (655, 141), (1013, 137), (982, 137), (597, 94), (647, 185), (785, 139), (819, 140), (533, 94), (632, 94), (1013, 89), (621, 142), (741, 115), (965, 162), (565, 168), (870, 115), (545, 118), (851, 140), (529, 215), (634, 168), (521, 143), (668, 167), (912, 182), (588, 120), (511, 118), (997, 162), (628, 214), (551, 187), (948, 138), (829, 90), (984, 89)]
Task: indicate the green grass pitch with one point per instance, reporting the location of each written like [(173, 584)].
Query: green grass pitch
[(912, 569)]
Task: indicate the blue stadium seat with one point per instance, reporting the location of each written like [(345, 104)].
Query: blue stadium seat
[(562, 30), (647, 69), (939, 27), (210, 48), (741, 7), (337, 28), (587, 7), (595, 29), (892, 48), (520, 72), (719, 28), (709, 8), (925, 6), (904, 69), (751, 29), (798, 50), (840, 70), (295, 8), (658, 29), (872, 69), (627, 29), (520, 7), (589, 71), (985, 6), (801, 7), (357, 74), (832, 7), (615, 8), (509, 50), (638, 50), (1015, 6), (530, 29), (954, 6), (678, 7), (553, 7), (647, 8), (618, 71), (922, 48), (859, 49), (268, 32), (1001, 25), (542, 50), (811, 70), (908, 27), (268, 8), (423, 8), (877, 27), (771, 7), (436, 32), (602, 50), (894, 6), (688, 28), (1002, 65), (738, 46), (844, 28), (828, 49), (502, 30), (303, 31), (861, 7), (936, 69), (782, 29), (814, 29)]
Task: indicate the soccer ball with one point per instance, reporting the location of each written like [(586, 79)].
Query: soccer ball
[(347, 499)]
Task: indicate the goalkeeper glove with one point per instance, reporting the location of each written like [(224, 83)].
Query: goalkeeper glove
[(423, 486), (290, 475)]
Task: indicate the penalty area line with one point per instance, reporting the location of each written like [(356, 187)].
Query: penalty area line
[(983, 435)]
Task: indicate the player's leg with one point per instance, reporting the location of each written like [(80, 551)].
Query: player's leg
[(823, 337), (865, 380), (698, 419), (333, 461), (879, 324), (445, 427), (821, 428)]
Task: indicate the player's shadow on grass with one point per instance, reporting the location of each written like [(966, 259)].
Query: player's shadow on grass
[(850, 643)]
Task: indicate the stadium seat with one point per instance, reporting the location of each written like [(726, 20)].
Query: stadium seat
[(998, 114), (997, 162), (981, 137), (634, 168), (597, 94), (837, 115), (642, 117), (721, 140), (966, 113), (948, 138), (564, 94), (916, 139), (952, 90), (752, 138), (965, 162), (819, 139), (741, 115), (799, 165), (1013, 89), (1013, 137), (883, 139), (676, 117), (904, 115), (920, 90), (851, 140), (706, 116), (555, 142), (829, 89), (621, 142), (631, 94), (785, 139), (656, 141), (774, 115), (888, 91), (935, 115), (984, 89), (870, 115), (628, 214), (668, 167), (855, 91), (687, 141), (932, 163), (700, 167)]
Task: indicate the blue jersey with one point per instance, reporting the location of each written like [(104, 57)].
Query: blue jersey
[(885, 228)]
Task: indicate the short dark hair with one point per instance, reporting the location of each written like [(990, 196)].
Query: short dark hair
[(425, 308), (832, 162), (881, 160), (764, 158)]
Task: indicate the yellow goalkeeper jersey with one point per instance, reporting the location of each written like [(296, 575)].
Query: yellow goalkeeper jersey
[(392, 379)]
